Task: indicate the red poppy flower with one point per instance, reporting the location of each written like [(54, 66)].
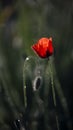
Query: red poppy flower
[(44, 47)]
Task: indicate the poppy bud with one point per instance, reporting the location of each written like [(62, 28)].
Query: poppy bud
[(43, 47)]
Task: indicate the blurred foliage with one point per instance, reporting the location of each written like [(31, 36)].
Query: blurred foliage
[(22, 23)]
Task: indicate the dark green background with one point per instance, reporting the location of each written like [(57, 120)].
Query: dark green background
[(29, 21)]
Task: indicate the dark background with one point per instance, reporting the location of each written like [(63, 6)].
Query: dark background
[(22, 23)]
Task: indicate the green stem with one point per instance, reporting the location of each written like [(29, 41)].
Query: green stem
[(24, 86), (53, 92)]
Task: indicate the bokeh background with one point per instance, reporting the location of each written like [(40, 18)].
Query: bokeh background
[(22, 23)]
